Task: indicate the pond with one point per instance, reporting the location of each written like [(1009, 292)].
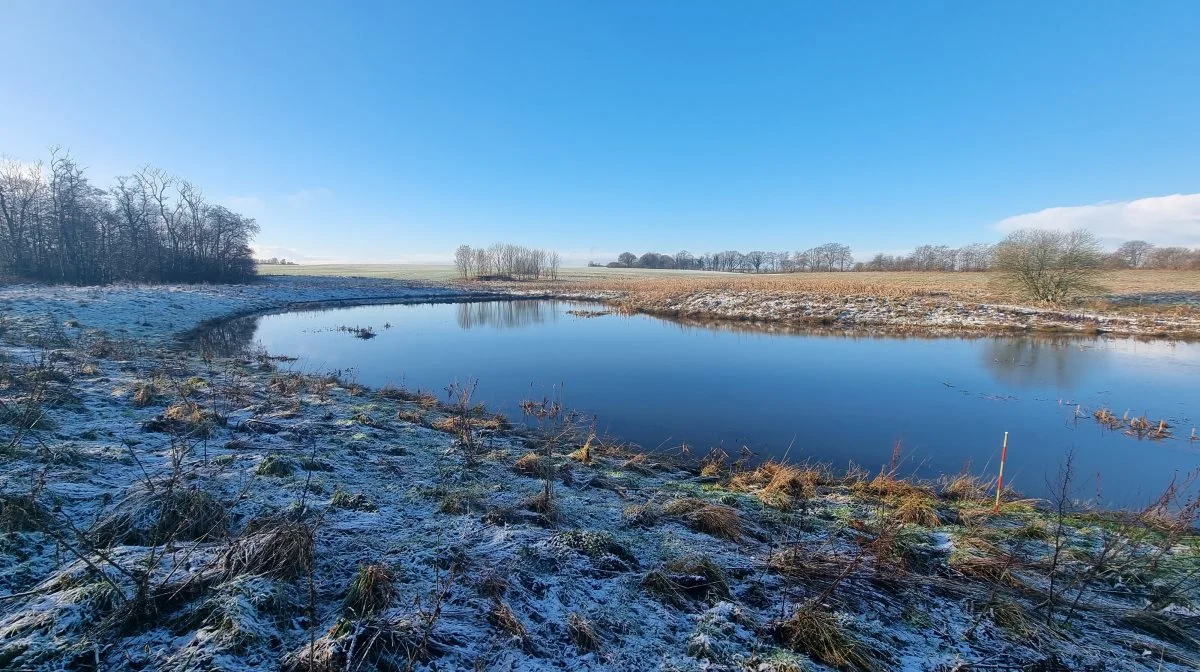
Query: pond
[(824, 398)]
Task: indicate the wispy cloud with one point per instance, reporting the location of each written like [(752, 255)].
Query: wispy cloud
[(1163, 220), (247, 205), (306, 197)]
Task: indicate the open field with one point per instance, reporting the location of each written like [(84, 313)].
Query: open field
[(447, 273), (1161, 304), (168, 509)]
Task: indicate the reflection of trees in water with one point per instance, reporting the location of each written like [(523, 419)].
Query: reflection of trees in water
[(224, 338), (506, 314), (1028, 362)]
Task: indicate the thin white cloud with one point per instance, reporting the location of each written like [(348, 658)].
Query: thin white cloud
[(246, 205), (306, 197), (1162, 220)]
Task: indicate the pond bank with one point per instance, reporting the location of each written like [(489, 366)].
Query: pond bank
[(167, 510), (910, 313)]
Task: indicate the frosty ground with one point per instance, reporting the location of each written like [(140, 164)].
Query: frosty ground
[(177, 507)]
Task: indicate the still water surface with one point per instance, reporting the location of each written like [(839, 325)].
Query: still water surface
[(834, 399)]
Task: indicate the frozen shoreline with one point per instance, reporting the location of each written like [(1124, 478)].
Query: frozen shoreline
[(638, 563)]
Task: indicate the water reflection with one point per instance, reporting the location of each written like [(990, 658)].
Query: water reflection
[(1025, 361), (506, 314), (224, 338)]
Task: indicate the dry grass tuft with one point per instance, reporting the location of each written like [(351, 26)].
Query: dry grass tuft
[(964, 488), (1162, 625), (371, 591), (353, 501), (779, 485), (369, 644), (169, 512), (694, 577), (887, 486), (542, 504), (641, 515), (1012, 616), (980, 559), (280, 548), (505, 619), (144, 394), (456, 424), (276, 465), (581, 632), (185, 417), (583, 453), (717, 520), (21, 514), (817, 633), (917, 509), (533, 465)]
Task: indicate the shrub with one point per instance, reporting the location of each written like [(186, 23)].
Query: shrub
[(1049, 266)]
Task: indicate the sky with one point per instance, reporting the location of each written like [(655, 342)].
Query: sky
[(396, 131)]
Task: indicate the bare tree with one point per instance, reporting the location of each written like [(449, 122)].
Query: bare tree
[(1132, 254), (1049, 266), (464, 261)]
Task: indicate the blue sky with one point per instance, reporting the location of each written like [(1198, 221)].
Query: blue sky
[(396, 131)]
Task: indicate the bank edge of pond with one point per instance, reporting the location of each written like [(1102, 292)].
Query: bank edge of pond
[(718, 566), (930, 316)]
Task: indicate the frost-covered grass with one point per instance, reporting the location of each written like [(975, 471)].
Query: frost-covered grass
[(162, 508)]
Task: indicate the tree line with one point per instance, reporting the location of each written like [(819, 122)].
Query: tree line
[(837, 257), (502, 260), (56, 226), (822, 258), (1140, 254)]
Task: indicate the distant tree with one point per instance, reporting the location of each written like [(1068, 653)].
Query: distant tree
[(1132, 254), (1172, 258), (627, 259), (464, 261), (755, 259), (1049, 266)]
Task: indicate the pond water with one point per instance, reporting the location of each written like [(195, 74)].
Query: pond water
[(823, 398)]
